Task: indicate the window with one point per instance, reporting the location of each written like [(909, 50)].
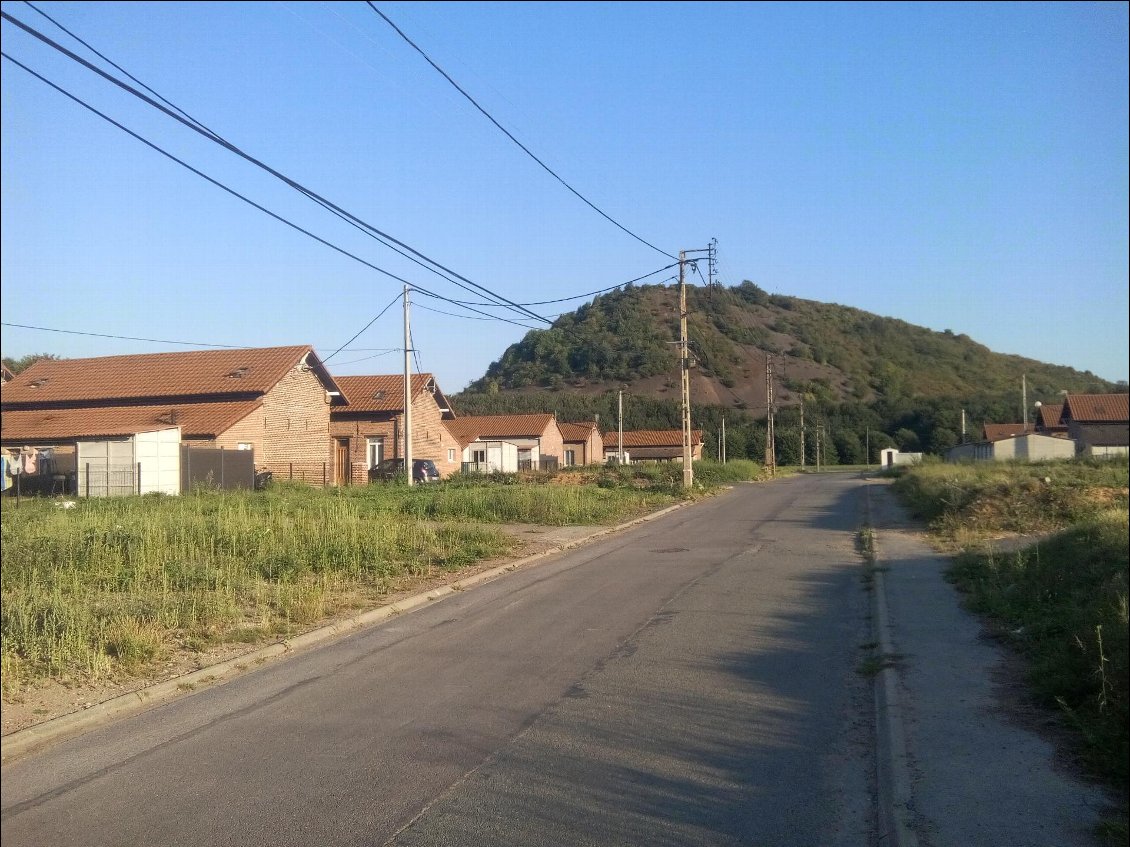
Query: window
[(244, 445), (479, 457), (375, 451), (451, 455), (570, 457)]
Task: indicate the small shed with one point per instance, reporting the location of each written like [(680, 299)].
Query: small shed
[(889, 457), (143, 463)]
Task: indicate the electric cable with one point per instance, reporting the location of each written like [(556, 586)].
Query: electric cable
[(469, 317), (110, 61), (367, 358), (415, 352), (220, 138), (125, 337), (577, 296), (247, 200), (507, 133), (365, 327), (258, 163), (379, 351)]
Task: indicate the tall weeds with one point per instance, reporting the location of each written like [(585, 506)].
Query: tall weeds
[(114, 584)]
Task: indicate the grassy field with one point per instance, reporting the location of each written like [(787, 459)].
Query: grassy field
[(1062, 600), (111, 586)]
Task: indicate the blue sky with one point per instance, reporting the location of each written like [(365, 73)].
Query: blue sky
[(958, 166)]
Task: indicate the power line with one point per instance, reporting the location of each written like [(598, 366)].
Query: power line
[(365, 327), (217, 183), (219, 137), (576, 296), (507, 133), (462, 304), (469, 317), (368, 358), (125, 337), (415, 352), (258, 163), (110, 61), (247, 200), (216, 138), (379, 351)]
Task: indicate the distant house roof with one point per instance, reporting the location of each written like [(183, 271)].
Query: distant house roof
[(485, 427), (154, 376), (1049, 416), (577, 431), (998, 432), (385, 392), (5, 373), (651, 438), (196, 420), (1096, 408)]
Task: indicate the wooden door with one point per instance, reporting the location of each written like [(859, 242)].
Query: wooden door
[(342, 475)]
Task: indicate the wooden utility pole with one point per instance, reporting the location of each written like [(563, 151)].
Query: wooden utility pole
[(770, 427), (802, 445), (685, 368), (407, 391), (1024, 399), (620, 429)]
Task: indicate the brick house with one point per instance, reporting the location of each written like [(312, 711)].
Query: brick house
[(654, 445), (275, 401), (369, 426), (583, 444), (535, 441), (1099, 423)]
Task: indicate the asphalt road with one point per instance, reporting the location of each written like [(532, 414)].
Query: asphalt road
[(690, 681)]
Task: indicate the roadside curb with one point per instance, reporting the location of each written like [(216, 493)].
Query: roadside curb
[(25, 740), (894, 794)]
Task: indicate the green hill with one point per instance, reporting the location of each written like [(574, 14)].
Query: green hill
[(864, 372)]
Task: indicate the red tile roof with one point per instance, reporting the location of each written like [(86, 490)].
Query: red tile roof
[(1097, 408), (1049, 416), (156, 375), (998, 432), (651, 438), (381, 392), (577, 431), (485, 427), (196, 420)]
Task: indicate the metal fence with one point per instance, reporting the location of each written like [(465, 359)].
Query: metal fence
[(105, 480), (215, 467)]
